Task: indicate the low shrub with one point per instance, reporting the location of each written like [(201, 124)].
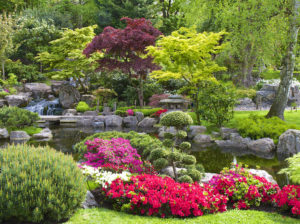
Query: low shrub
[(17, 118), (177, 119), (293, 169), (153, 195), (243, 93), (243, 188), (82, 107), (121, 113), (257, 127), (38, 185), (289, 199)]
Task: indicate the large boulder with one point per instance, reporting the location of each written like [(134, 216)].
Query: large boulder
[(207, 177), (263, 173), (226, 132), (113, 121), (147, 122), (69, 112), (20, 100), (38, 90), (288, 144), (194, 130), (44, 135), (236, 144), (89, 201), (263, 147), (203, 141), (4, 133), (130, 121), (69, 96), (19, 136), (55, 86), (139, 116), (245, 103), (90, 113), (89, 99)]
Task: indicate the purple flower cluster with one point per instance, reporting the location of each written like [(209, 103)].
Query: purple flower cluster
[(117, 151)]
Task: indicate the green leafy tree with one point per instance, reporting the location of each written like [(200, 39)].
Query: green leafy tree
[(293, 170), (6, 33), (32, 36), (187, 55), (66, 59), (256, 30)]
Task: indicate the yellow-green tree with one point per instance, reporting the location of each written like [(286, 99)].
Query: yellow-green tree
[(65, 58), (189, 56)]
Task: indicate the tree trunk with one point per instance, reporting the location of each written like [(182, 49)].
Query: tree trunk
[(247, 66), (3, 69), (288, 62), (141, 92)]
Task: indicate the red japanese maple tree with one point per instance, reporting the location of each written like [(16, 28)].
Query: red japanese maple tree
[(123, 49)]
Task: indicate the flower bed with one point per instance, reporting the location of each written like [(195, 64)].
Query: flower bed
[(243, 188), (289, 199), (157, 196)]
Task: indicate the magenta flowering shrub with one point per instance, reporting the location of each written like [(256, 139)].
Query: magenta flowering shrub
[(243, 188), (116, 151), (289, 199), (130, 112), (153, 195)]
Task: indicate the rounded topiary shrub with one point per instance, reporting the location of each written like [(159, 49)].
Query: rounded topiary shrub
[(38, 185), (160, 163), (177, 119), (82, 107), (185, 179)]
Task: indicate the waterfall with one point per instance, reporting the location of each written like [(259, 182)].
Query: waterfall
[(44, 107)]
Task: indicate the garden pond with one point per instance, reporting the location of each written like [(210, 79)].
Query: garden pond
[(213, 160)]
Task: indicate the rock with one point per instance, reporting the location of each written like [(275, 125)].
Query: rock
[(164, 129), (89, 99), (263, 173), (215, 134), (51, 97), (139, 116), (246, 102), (19, 136), (263, 147), (98, 124), (17, 100), (147, 122), (130, 121), (236, 144), (69, 96), (44, 135), (113, 121), (38, 90), (99, 118), (202, 139), (3, 103), (288, 144), (84, 122), (207, 177), (107, 111), (90, 201), (194, 130), (69, 112), (169, 171), (55, 86), (90, 113), (225, 132), (4, 133)]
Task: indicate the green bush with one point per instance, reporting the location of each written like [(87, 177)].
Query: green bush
[(189, 159), (178, 119), (194, 174), (168, 142), (185, 146), (243, 93), (216, 103), (16, 118), (185, 179), (147, 112), (3, 94), (181, 134), (175, 157), (293, 169), (257, 127), (38, 185), (160, 163), (168, 135), (122, 113), (82, 107), (157, 153)]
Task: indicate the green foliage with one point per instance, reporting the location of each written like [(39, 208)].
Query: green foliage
[(185, 146), (28, 73), (31, 130), (121, 113), (157, 153), (168, 142), (194, 174), (293, 169), (175, 157), (82, 107), (257, 127), (189, 160), (160, 163), (243, 93), (270, 74), (185, 179), (177, 119), (66, 59), (14, 117), (38, 185), (216, 103), (200, 167), (168, 135), (181, 134)]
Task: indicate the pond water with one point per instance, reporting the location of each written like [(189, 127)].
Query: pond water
[(213, 160)]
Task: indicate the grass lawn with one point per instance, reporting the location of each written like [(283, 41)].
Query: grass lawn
[(291, 117), (106, 216)]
